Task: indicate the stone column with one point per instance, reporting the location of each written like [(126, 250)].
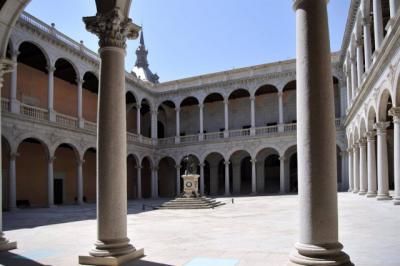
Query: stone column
[(178, 179), (112, 245), (5, 67), (363, 167), (367, 42), (138, 119), (383, 175), (201, 126), (227, 186), (154, 126), (15, 104), (253, 115), (395, 112), (139, 182), (351, 179), (13, 181), (282, 174), (378, 23), (202, 165), (316, 140), (354, 80), (226, 114), (50, 93), (344, 171), (372, 188), (236, 177), (80, 103), (80, 181), (50, 181), (360, 61), (356, 168), (178, 125), (348, 81), (154, 176), (394, 6), (280, 104), (253, 177)]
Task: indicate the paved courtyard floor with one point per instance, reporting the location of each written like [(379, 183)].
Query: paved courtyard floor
[(254, 231)]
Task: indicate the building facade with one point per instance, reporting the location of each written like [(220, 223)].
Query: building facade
[(239, 124)]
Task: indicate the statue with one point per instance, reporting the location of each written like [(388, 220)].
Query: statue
[(190, 165)]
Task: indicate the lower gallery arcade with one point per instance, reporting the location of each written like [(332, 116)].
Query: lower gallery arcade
[(66, 177)]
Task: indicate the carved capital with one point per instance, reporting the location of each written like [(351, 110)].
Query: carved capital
[(112, 28), (51, 69), (227, 163), (381, 127), (363, 142), (366, 21), (14, 155), (178, 167), (395, 112), (6, 66), (201, 106), (371, 136)]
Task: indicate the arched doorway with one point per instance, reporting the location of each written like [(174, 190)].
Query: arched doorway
[(240, 173), (266, 106), (289, 103), (214, 174), (132, 182), (268, 171), (189, 117), (131, 112), (166, 120), (167, 177), (89, 176), (90, 92), (239, 110), (146, 178), (65, 88)]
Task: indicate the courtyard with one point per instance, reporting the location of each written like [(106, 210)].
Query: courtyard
[(250, 231)]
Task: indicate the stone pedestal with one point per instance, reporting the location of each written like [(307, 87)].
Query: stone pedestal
[(190, 186)]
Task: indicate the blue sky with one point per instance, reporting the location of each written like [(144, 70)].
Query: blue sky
[(192, 37)]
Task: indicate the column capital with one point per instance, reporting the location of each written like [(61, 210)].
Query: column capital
[(138, 167), (227, 163), (350, 149), (201, 105), (177, 109), (6, 66), (154, 168), (371, 136), (282, 158), (51, 159), (14, 155), (80, 81), (80, 162), (359, 42), (226, 101), (362, 142), (202, 165), (51, 69), (253, 161), (355, 146), (112, 28), (353, 60), (252, 98), (395, 112), (381, 127), (178, 166), (280, 93), (154, 112)]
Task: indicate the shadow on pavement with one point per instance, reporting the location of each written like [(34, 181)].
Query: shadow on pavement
[(11, 259), (30, 218), (145, 263)]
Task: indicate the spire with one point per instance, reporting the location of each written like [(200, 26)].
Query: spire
[(141, 69)]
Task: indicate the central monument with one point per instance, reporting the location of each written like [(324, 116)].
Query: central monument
[(191, 198)]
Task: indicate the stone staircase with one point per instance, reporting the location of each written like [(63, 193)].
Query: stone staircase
[(182, 203)]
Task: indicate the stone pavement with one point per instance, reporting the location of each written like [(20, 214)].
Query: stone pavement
[(254, 231)]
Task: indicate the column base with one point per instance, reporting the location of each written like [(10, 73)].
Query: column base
[(355, 191), (371, 194), (362, 193), (396, 201), (111, 260), (328, 254), (5, 244), (384, 197)]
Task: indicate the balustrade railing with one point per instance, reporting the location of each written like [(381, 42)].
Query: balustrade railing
[(189, 138), (29, 19), (213, 135), (146, 140), (132, 137), (34, 112), (239, 133), (5, 105), (290, 127), (66, 121), (166, 141), (91, 126), (265, 131)]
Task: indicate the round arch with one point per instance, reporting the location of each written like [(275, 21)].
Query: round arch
[(167, 177), (89, 175), (267, 170), (214, 173), (240, 173)]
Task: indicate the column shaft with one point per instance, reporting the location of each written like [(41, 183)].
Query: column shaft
[(154, 175), (378, 23), (139, 182), (138, 120), (253, 177), (13, 182), (394, 6), (351, 182), (282, 175), (253, 115), (356, 168), (178, 180), (363, 167), (372, 186), (201, 126), (154, 126), (360, 62), (15, 106), (367, 42), (50, 92), (50, 181), (202, 178), (348, 82), (316, 140), (395, 112), (354, 80), (227, 185), (383, 175), (178, 126), (80, 102), (226, 115), (80, 181)]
